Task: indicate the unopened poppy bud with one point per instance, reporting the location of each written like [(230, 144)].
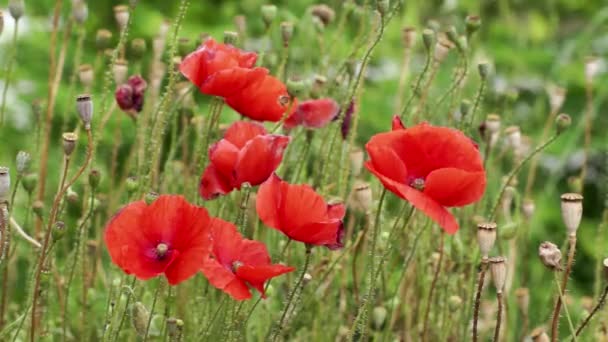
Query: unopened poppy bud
[(269, 12), (513, 135), (295, 87), (80, 12), (58, 230), (527, 208), (38, 208), (486, 237), (605, 263), (16, 8), (138, 48), (472, 24), (86, 75), (498, 267), (150, 197), (286, 32), (428, 38), (231, 37), (379, 317), (484, 69), (572, 211), (522, 296), (121, 15), (383, 6), (361, 198), (94, 177), (69, 143), (442, 48), (72, 196), (103, 39), (120, 71), (84, 104), (131, 184), (557, 96), (23, 162), (562, 122), (539, 335), (29, 182), (550, 255), (139, 318), (592, 67), (465, 108), (454, 303), (409, 37), (357, 157), (508, 231), (5, 183), (324, 13)]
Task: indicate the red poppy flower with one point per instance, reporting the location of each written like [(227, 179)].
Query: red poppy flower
[(211, 58), (246, 154), (300, 213), (313, 113), (431, 167), (237, 263), (169, 236)]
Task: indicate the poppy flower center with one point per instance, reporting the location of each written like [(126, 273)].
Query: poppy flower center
[(417, 183), (161, 250), (236, 265)]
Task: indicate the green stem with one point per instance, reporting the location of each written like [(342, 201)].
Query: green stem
[(561, 298), (159, 288), (9, 68)]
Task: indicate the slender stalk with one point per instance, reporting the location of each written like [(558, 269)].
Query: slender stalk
[(480, 281), (499, 300), (478, 99), (416, 90), (597, 307), (159, 289), (561, 296), (124, 312), (588, 126), (558, 303), (8, 71), (432, 290)]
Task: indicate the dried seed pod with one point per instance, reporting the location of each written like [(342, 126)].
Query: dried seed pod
[(5, 183), (442, 48), (472, 24), (539, 335), (16, 8), (454, 303), (486, 237), (523, 299), (69, 143), (550, 255), (138, 48), (120, 71), (592, 67), (80, 11), (325, 13), (357, 157), (557, 96), (121, 15), (513, 135), (527, 208), (361, 196), (103, 39), (269, 12), (84, 105), (409, 37), (498, 267), (286, 32), (572, 211), (86, 75)]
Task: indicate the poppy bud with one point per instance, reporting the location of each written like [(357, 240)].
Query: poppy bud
[(296, 87), (23, 162), (508, 231), (513, 135), (94, 176), (557, 96), (572, 211), (498, 267), (428, 38), (454, 303), (383, 6), (58, 230), (348, 117), (80, 12), (38, 208), (269, 12), (121, 15), (150, 197), (605, 263), (29, 182), (139, 318), (484, 69), (1, 22), (550, 255), (231, 37), (16, 8), (120, 71), (379, 317), (409, 37), (472, 24), (72, 196), (131, 184), (103, 39), (84, 104), (442, 48), (357, 157), (592, 67), (527, 208), (493, 123), (465, 109), (522, 295), (286, 32), (361, 197), (69, 143), (562, 122), (324, 13), (539, 335), (138, 48), (5, 183), (86, 75), (486, 237)]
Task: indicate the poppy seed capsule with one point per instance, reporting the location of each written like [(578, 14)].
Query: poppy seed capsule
[(572, 211), (84, 105), (139, 318), (58, 230), (120, 71), (454, 303), (5, 183), (539, 335), (80, 12), (550, 255), (557, 95), (528, 208), (493, 123), (513, 135), (23, 162), (138, 48), (472, 24), (286, 32), (361, 197), (269, 12), (29, 182), (486, 237), (409, 37), (442, 48), (498, 267), (325, 13), (379, 315), (38, 208), (592, 67), (121, 15), (69, 143), (357, 157), (94, 177), (522, 295), (150, 197), (86, 75), (484, 69), (428, 38), (230, 37), (16, 8), (562, 122), (383, 6), (103, 39)]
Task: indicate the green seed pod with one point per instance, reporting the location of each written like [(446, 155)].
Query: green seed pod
[(428, 38), (23, 162), (29, 182), (562, 122), (379, 317), (138, 48), (295, 87), (38, 209), (483, 69), (286, 32), (58, 230), (150, 197), (465, 108), (383, 6), (508, 231), (269, 12), (16, 8), (231, 37), (103, 39), (473, 23), (94, 177), (80, 12), (454, 303)]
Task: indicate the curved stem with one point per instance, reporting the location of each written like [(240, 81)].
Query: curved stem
[(416, 90), (432, 290), (480, 281), (597, 307), (561, 296), (558, 303), (7, 74), (498, 317)]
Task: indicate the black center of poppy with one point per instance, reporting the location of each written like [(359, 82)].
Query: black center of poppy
[(418, 184), (161, 250)]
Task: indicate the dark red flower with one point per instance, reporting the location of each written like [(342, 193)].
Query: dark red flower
[(237, 263), (211, 58), (348, 118), (313, 113), (130, 96), (169, 236), (431, 167), (300, 213), (246, 154)]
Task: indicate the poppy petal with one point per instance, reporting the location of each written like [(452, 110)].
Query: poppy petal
[(385, 160), (318, 233), (259, 158), (116, 235), (256, 276), (213, 183), (313, 113), (453, 187), (240, 132), (336, 211), (268, 200), (396, 123), (223, 279), (264, 100), (223, 155), (230, 82)]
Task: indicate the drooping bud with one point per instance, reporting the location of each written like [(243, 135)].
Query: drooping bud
[(16, 8), (120, 71), (562, 122), (121, 15), (138, 48), (452, 35), (409, 37), (557, 96), (473, 23), (527, 208), (361, 196), (5, 183), (103, 39), (428, 38), (486, 237), (269, 12), (324, 13), (379, 317), (69, 143), (23, 162), (522, 295), (498, 267), (357, 157), (572, 211), (286, 32), (442, 48), (94, 177), (150, 197), (139, 318), (592, 67), (84, 105), (550, 255), (80, 11)]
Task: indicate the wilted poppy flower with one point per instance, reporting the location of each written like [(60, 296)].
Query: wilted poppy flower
[(213, 57), (246, 154), (313, 113), (237, 263), (431, 167), (130, 96), (300, 213), (169, 236), (348, 118)]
